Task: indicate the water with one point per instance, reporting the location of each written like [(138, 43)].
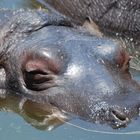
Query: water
[(28, 123)]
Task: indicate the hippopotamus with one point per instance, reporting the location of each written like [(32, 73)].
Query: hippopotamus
[(119, 19), (49, 60)]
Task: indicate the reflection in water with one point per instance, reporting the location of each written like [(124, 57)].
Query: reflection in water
[(47, 117), (44, 117)]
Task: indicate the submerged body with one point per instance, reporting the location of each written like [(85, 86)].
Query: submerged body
[(118, 18), (50, 62)]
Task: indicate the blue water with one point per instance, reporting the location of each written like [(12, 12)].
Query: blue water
[(14, 126)]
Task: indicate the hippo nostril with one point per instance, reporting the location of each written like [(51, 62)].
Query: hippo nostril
[(119, 115), (118, 119)]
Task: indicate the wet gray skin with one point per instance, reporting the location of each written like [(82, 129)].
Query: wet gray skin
[(67, 68), (120, 19), (114, 15)]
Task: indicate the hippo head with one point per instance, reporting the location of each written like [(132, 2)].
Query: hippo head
[(75, 72)]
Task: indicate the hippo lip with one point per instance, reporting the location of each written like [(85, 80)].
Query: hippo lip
[(118, 119)]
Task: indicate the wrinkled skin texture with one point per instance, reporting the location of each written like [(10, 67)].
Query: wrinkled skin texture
[(50, 62), (114, 17)]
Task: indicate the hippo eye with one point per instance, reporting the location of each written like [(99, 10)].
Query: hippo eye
[(39, 74), (38, 80), (36, 76)]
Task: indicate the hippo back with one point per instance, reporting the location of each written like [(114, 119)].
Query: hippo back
[(119, 16)]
